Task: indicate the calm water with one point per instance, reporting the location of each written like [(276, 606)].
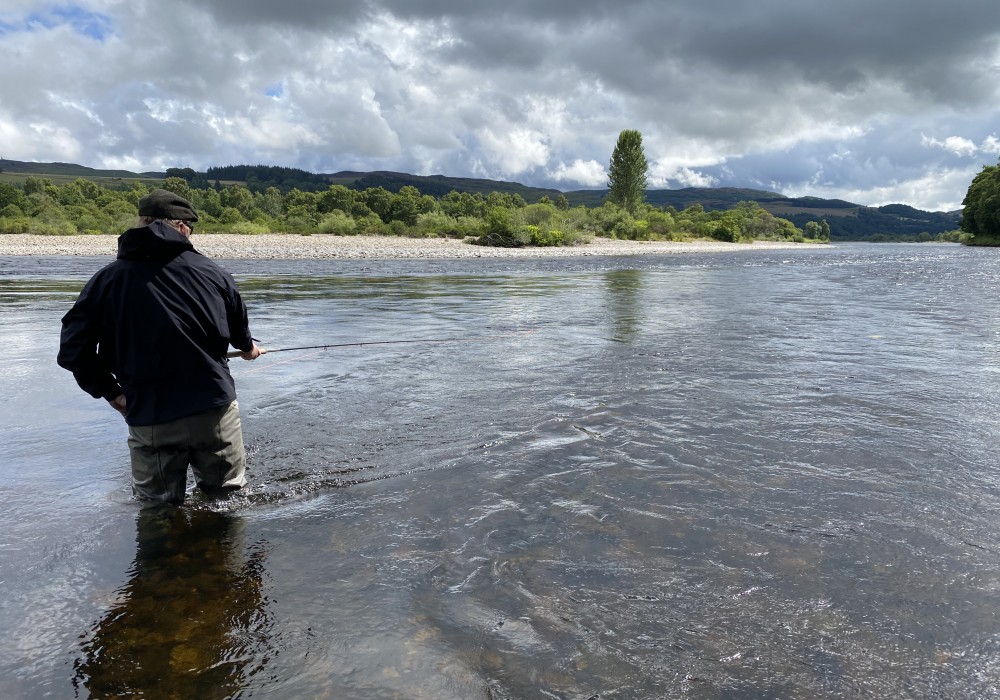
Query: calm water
[(755, 475)]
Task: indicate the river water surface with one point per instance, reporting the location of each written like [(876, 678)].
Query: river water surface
[(768, 474)]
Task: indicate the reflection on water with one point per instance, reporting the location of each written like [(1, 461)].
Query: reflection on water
[(191, 622), (623, 302)]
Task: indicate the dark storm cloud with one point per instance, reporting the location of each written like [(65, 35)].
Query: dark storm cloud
[(314, 15), (842, 44)]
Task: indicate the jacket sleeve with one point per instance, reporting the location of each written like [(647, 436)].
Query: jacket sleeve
[(239, 322), (78, 348)]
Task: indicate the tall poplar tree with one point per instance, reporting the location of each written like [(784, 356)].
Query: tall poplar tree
[(627, 175)]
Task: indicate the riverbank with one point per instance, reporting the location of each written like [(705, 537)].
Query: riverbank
[(291, 247)]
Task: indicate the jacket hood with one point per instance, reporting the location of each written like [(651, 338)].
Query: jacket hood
[(157, 241)]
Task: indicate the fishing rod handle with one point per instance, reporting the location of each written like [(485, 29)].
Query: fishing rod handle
[(239, 353)]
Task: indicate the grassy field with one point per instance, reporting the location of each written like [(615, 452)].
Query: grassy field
[(117, 183)]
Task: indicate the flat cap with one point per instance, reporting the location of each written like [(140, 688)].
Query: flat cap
[(164, 204)]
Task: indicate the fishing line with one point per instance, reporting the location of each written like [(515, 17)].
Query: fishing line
[(271, 365), (468, 339)]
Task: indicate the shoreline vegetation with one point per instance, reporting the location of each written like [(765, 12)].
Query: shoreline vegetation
[(497, 220), (274, 246)]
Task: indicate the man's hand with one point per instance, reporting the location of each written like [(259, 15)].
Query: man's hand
[(254, 353), (118, 404)]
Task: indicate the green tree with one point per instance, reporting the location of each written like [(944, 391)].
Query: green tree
[(269, 201), (627, 175), (336, 197), (178, 186), (380, 200), (726, 229), (303, 201), (499, 199), (428, 205), (10, 195), (405, 205), (300, 215), (237, 197), (135, 193), (458, 204), (230, 215), (981, 213), (207, 201), (36, 185)]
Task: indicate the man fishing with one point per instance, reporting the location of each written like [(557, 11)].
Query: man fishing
[(149, 334)]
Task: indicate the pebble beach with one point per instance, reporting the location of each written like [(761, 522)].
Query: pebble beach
[(292, 247)]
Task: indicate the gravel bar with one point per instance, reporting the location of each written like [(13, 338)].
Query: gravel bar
[(291, 247)]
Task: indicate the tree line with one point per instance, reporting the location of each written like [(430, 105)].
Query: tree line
[(496, 219), (500, 219)]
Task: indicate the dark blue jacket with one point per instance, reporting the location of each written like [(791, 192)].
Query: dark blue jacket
[(156, 325)]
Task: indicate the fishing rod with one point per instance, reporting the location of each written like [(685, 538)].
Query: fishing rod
[(469, 339)]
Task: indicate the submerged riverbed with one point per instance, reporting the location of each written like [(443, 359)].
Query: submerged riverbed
[(731, 475)]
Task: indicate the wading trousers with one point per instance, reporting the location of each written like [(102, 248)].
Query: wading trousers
[(211, 443)]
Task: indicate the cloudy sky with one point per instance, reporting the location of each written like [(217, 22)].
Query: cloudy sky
[(874, 102)]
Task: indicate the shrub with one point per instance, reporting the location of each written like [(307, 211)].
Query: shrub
[(500, 230), (18, 224), (727, 231), (545, 237), (248, 227), (299, 224), (338, 223), (396, 228), (614, 222), (370, 225), (660, 224), (51, 227), (230, 215), (539, 214), (469, 226), (434, 224)]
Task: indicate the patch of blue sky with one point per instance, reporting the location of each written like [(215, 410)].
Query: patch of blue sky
[(275, 91), (83, 21)]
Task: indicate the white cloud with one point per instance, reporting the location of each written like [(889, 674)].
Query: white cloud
[(686, 177), (938, 190), (991, 144), (514, 150), (51, 141), (581, 173), (954, 144)]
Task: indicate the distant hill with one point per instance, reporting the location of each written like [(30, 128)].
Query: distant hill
[(848, 221), (710, 198), (438, 185), (61, 173)]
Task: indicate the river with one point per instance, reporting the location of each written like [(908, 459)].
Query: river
[(766, 474)]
